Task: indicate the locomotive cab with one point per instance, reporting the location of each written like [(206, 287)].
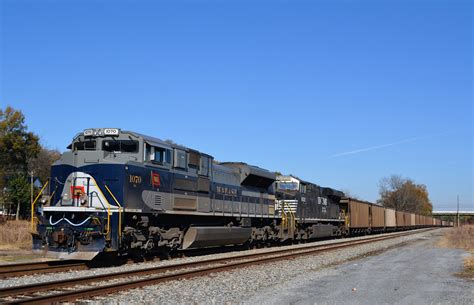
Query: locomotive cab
[(314, 208)]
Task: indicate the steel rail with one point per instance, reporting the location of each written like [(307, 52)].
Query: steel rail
[(223, 264)]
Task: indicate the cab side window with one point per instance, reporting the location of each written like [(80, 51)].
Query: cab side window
[(158, 155)]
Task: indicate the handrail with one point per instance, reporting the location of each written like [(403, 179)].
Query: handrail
[(33, 206), (107, 233), (92, 195), (52, 195), (288, 219), (292, 220), (120, 211), (108, 207)]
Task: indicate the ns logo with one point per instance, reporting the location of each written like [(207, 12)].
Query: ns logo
[(135, 179)]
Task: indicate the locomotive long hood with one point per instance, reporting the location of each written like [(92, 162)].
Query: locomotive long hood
[(252, 175)]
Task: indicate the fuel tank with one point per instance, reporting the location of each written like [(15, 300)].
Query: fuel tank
[(199, 237), (322, 230)]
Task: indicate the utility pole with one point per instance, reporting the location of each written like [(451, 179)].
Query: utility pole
[(31, 189), (457, 214)]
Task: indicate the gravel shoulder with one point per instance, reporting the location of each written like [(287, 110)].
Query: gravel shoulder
[(418, 273), (308, 279)]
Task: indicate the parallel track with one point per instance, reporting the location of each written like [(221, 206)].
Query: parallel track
[(12, 270), (65, 290)]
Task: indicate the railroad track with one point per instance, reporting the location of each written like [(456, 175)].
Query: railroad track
[(12, 270), (91, 286)]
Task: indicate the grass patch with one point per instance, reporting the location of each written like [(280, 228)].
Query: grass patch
[(462, 238), (469, 267), (15, 235)]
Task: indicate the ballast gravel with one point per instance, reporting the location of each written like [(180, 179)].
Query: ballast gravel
[(230, 286)]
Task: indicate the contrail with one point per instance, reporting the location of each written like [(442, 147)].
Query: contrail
[(383, 145)]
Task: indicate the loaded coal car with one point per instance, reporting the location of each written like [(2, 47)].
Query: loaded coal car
[(418, 220), (400, 218), (407, 224), (122, 192), (377, 218), (430, 221), (363, 217), (412, 218), (357, 215), (313, 209), (390, 219)]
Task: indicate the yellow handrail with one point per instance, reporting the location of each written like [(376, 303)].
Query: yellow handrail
[(292, 221), (108, 207), (51, 197), (288, 219), (120, 211), (108, 216), (33, 206)]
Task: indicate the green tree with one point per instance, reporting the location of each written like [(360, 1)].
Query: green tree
[(19, 193), (18, 148), (404, 195)]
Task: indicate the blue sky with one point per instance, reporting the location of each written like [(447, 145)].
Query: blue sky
[(341, 93)]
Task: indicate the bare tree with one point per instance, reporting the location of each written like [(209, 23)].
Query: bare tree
[(404, 195), (41, 165), (350, 194)]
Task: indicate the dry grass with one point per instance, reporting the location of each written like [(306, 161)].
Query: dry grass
[(15, 235), (459, 237), (463, 238), (469, 266)]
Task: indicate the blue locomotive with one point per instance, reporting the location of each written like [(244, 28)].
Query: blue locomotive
[(120, 192)]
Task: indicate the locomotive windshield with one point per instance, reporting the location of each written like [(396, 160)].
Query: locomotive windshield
[(288, 186), (128, 146), (85, 145)]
